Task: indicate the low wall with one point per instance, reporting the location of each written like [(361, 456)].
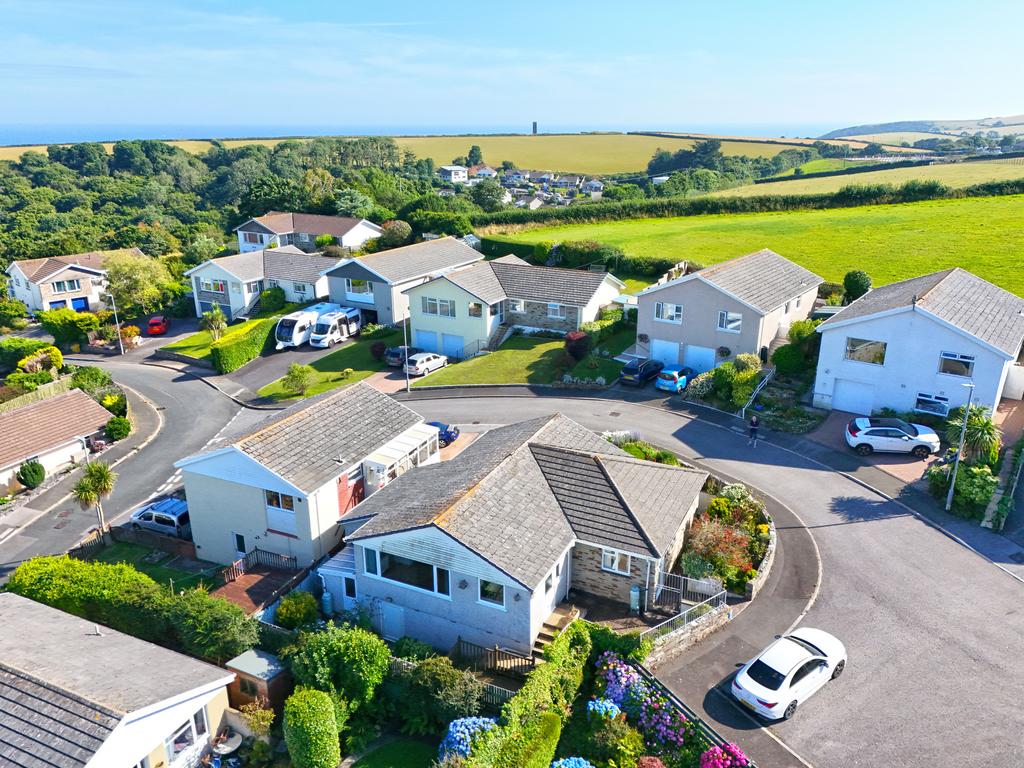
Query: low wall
[(674, 643), (154, 540), (163, 354), (754, 586)]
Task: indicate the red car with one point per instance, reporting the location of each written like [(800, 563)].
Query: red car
[(158, 325)]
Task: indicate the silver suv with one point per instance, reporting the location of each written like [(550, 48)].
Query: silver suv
[(168, 516)]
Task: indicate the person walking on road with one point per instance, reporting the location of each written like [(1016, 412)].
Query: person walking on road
[(754, 424)]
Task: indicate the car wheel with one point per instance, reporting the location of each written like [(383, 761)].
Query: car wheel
[(790, 711), (864, 449), (838, 670), (442, 443), (136, 527), (920, 452)]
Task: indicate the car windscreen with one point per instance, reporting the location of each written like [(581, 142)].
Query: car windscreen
[(631, 367), (764, 675), (284, 329), (322, 328), (667, 376)]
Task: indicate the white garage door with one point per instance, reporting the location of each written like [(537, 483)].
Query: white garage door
[(666, 352), (699, 358), (853, 396), (426, 340)]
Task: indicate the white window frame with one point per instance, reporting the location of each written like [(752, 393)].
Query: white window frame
[(490, 603), (955, 357), (516, 305), (616, 557), (556, 311), (367, 551), (939, 400), (846, 351), (299, 287), (304, 237), (351, 290), (197, 737), (379, 575), (724, 319), (479, 309), (210, 285), (663, 314), (280, 498)]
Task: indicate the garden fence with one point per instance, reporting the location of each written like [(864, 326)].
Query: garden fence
[(685, 618), (494, 695), (87, 548), (481, 659)]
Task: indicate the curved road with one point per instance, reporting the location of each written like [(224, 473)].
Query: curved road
[(933, 630)]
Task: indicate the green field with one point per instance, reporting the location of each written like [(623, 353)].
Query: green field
[(890, 242), (950, 174), (898, 137), (824, 165)]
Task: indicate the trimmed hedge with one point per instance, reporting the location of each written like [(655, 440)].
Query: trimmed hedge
[(311, 730), (118, 428), (543, 741), (233, 350), (16, 348)]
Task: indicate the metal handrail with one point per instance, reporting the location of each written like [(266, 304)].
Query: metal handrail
[(757, 390), (686, 617)]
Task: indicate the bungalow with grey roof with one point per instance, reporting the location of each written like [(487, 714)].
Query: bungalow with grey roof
[(486, 545), (278, 228)]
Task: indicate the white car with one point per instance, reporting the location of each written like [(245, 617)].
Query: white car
[(866, 436), (423, 363), (788, 672)]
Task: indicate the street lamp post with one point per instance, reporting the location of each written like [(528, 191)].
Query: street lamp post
[(405, 365), (117, 323), (960, 447)]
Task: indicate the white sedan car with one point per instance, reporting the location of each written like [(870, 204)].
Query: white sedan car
[(788, 672), (423, 363), (866, 436)]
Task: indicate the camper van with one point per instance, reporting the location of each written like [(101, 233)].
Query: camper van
[(335, 326), (295, 329)]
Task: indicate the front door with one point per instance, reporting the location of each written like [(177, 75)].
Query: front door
[(239, 544), (392, 621), (348, 600)]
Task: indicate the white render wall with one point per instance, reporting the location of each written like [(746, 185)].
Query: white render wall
[(914, 343), (359, 234)]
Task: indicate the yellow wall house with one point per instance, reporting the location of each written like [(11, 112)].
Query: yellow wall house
[(79, 695)]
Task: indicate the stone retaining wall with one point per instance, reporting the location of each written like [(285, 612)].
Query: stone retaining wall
[(163, 354), (753, 587), (671, 645)]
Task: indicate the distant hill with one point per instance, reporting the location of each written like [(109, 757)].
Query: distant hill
[(1002, 125)]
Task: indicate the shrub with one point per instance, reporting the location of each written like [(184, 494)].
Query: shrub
[(411, 648), (45, 359), (272, 299), (802, 332), (720, 509), (440, 222), (856, 283), (463, 734), (348, 660), (788, 359), (630, 646), (726, 756), (322, 241), (211, 627), (23, 382), (747, 362), (11, 312), (118, 428), (115, 402), (701, 386), (258, 716), (434, 693), (615, 743), (311, 730), (67, 326), (31, 474), (542, 741), (91, 379), (724, 375), (572, 762), (720, 544), (577, 344), (298, 379), (975, 486), (234, 350), (214, 322), (297, 609), (694, 566), (377, 350), (395, 233), (129, 332), (15, 348)]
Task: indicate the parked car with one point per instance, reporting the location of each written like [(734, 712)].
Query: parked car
[(396, 356), (168, 516), (423, 363), (673, 379), (447, 433), (639, 371), (158, 325), (786, 673), (866, 436)]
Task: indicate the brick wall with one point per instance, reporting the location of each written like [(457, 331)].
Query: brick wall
[(588, 576), (536, 316)]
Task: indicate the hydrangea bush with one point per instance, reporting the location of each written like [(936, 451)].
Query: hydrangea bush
[(462, 733), (726, 756), (571, 762), (603, 708)]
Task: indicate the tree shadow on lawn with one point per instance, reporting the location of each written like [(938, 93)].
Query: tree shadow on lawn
[(548, 368)]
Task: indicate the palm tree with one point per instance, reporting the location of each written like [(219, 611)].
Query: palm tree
[(214, 322), (96, 484), (982, 439)]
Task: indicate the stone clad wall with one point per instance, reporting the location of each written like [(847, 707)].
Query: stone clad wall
[(536, 316), (589, 577)]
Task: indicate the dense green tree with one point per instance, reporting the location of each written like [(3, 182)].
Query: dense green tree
[(475, 155), (856, 283), (352, 202), (202, 248), (137, 283), (488, 194)]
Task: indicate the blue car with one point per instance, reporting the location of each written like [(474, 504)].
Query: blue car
[(673, 379), (447, 433)]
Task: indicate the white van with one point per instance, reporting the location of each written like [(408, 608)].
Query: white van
[(295, 329), (335, 326)]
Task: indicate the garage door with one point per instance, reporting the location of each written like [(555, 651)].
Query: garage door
[(666, 352), (853, 396), (699, 358), (452, 345), (81, 304), (426, 340), (207, 306)]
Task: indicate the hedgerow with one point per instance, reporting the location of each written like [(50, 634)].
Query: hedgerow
[(233, 350)]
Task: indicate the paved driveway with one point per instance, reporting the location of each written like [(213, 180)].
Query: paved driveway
[(933, 631)]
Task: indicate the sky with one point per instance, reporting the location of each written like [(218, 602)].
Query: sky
[(569, 65)]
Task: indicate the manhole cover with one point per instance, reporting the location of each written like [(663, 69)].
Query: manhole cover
[(614, 413), (1018, 557)]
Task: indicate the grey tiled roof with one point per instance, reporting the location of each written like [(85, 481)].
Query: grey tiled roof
[(291, 263), (575, 287), (480, 281), (763, 279), (965, 301), (418, 260), (245, 266), (283, 223), (316, 440), (521, 494)]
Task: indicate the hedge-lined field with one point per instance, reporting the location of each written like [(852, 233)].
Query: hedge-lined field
[(890, 242)]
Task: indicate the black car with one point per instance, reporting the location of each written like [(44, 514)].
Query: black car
[(638, 372), (396, 356)]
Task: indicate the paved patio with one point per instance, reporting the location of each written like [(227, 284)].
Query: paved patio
[(1009, 417)]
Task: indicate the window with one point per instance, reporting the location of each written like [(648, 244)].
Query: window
[(359, 287), (216, 286), (476, 309), (63, 286), (927, 403), (440, 307), (350, 588), (785, 309), (272, 283), (248, 688), (732, 322), (805, 670), (865, 351), (556, 311), (303, 237), (798, 300), (299, 287), (414, 573), (495, 309), (239, 543), (443, 587), (180, 741), (764, 675), (956, 365), (370, 561), (429, 306), (492, 593), (548, 582), (516, 305), (252, 237), (615, 562), (254, 287), (280, 500), (668, 313)]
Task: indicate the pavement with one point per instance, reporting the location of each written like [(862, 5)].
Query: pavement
[(933, 629)]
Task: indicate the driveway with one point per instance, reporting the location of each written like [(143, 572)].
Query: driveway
[(274, 365), (932, 628)]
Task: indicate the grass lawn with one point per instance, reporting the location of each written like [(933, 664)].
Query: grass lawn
[(823, 164), (328, 368), (889, 242), (134, 554), (950, 174), (403, 753), (636, 283), (198, 344)]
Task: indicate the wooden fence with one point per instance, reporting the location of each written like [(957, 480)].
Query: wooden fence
[(494, 697), (42, 392), (259, 558), (481, 659), (154, 540)]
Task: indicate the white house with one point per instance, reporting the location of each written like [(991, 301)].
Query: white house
[(77, 281), (234, 283), (456, 174), (913, 345), (283, 486), (80, 695), (277, 228), (51, 431), (482, 172)]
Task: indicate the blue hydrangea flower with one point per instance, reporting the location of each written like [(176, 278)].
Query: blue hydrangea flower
[(462, 733)]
